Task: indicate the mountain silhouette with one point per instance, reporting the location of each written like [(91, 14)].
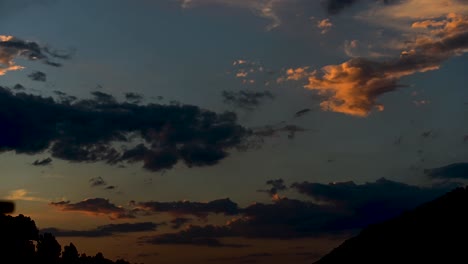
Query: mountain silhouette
[(434, 232)]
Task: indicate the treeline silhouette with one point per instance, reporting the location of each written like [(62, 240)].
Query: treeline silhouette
[(21, 242), (434, 232)]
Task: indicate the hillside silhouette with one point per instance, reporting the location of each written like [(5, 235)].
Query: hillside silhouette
[(22, 243), (434, 232)]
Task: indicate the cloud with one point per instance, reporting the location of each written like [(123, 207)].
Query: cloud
[(276, 186), (97, 181), (325, 25), (133, 97), (354, 86), (452, 171), (198, 209), (43, 162), (23, 195), (38, 76), (88, 130), (94, 206), (338, 208), (105, 230), (178, 222), (246, 99), (11, 47), (415, 10), (371, 202)]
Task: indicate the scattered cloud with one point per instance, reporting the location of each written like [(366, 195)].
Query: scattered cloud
[(276, 186), (43, 162), (105, 230), (133, 98), (324, 25), (38, 76), (94, 206), (246, 99), (12, 47), (97, 181), (452, 171), (198, 209)]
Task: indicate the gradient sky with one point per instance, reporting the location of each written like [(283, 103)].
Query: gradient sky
[(382, 86)]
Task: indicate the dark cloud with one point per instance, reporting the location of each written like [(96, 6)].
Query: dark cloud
[(103, 98), (18, 87), (337, 209), (133, 97), (65, 98), (302, 112), (94, 206), (43, 162), (371, 202), (178, 222), (334, 7), (276, 186), (452, 171), (246, 99), (110, 187), (88, 130), (199, 209), (11, 47), (105, 230), (38, 76), (97, 181)]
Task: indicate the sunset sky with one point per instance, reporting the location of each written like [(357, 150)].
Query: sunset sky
[(228, 131)]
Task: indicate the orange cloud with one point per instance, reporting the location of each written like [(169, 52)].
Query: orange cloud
[(353, 87), (325, 25)]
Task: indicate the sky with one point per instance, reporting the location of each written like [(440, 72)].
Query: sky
[(236, 131)]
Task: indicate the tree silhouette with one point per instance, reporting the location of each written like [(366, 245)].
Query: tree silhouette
[(20, 242), (70, 254), (48, 249)]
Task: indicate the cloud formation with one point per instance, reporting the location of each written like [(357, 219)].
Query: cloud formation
[(97, 181), (23, 195), (353, 87), (12, 47), (43, 162), (87, 130), (105, 230), (246, 99), (452, 171), (336, 209), (181, 208), (38, 76), (94, 206)]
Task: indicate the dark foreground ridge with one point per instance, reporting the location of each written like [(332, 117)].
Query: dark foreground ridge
[(22, 243), (434, 232)]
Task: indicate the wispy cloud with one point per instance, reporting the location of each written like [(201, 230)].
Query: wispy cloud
[(24, 195)]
